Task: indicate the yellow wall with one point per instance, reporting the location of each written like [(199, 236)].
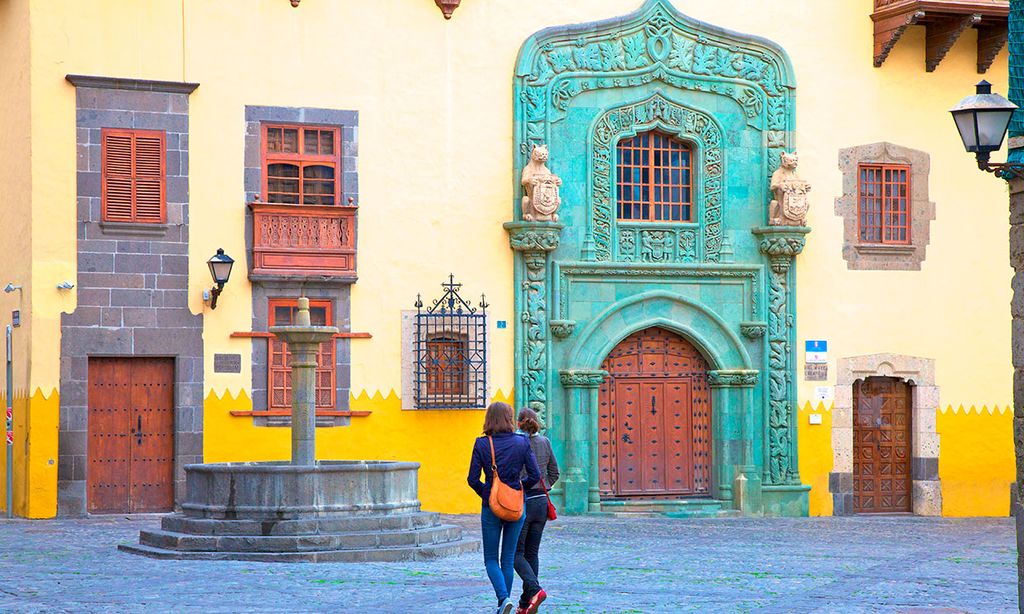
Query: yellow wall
[(435, 173), (976, 463), (815, 455)]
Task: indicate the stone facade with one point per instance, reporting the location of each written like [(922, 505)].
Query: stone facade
[(132, 278), (265, 288), (926, 491), (862, 256)]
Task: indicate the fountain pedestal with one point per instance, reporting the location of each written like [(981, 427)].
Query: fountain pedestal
[(306, 510)]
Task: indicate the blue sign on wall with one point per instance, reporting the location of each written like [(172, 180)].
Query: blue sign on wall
[(815, 345), (502, 324)]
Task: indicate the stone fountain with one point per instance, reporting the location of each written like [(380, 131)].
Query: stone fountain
[(306, 510)]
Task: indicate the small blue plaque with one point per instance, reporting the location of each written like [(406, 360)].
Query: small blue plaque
[(502, 324)]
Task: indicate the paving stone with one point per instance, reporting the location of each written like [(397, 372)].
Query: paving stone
[(588, 565)]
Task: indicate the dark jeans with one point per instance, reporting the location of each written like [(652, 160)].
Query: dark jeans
[(527, 563), (496, 530)]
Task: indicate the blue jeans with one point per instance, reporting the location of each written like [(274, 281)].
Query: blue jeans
[(494, 530)]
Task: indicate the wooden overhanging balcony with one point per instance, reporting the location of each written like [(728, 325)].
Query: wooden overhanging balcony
[(944, 22), (303, 241)]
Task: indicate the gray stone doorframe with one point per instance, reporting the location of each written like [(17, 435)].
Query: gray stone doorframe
[(926, 491)]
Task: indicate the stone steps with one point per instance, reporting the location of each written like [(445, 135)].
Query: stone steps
[(439, 534), (178, 523), (376, 555), (668, 508)]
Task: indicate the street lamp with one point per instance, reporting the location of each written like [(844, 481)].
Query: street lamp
[(220, 269), (982, 120)]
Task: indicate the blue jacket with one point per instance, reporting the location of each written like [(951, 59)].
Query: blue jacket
[(513, 454)]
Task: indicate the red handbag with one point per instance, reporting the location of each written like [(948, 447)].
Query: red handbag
[(552, 512)]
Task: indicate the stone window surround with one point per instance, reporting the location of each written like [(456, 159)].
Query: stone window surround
[(874, 256), (926, 491), (409, 363), (132, 279), (337, 291)]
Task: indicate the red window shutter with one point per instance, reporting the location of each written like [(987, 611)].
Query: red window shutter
[(134, 185), (278, 370)]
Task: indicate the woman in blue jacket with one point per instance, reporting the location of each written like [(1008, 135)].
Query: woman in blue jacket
[(512, 455)]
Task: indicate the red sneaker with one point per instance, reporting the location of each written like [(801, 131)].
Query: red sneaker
[(535, 602)]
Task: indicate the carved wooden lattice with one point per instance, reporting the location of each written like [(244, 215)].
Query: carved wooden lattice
[(655, 418), (881, 445), (303, 240)]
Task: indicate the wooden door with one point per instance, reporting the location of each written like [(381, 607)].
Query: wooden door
[(655, 419), (881, 445), (131, 435)]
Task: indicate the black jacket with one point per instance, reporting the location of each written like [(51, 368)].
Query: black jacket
[(513, 454)]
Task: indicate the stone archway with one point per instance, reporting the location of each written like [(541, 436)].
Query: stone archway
[(919, 373)]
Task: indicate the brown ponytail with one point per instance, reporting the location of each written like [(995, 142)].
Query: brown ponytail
[(529, 423)]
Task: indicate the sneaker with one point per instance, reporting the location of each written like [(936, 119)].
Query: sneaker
[(535, 602), (506, 607)]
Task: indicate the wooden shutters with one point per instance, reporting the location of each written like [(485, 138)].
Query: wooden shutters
[(131, 435), (883, 203), (301, 165), (446, 365), (279, 390), (654, 179), (134, 185)]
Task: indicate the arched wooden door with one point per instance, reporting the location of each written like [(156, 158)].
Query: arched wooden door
[(655, 418), (881, 445)]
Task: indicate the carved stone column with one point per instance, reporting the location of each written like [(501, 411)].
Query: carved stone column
[(581, 477), (781, 244), (533, 242), (734, 397)]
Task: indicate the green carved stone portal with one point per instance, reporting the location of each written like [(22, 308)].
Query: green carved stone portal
[(724, 281)]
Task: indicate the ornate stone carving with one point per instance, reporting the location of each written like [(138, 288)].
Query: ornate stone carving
[(790, 203), (541, 202), (753, 330), (732, 378), (688, 246), (533, 241), (781, 244), (582, 378), (690, 125), (447, 6), (656, 245), (563, 329)]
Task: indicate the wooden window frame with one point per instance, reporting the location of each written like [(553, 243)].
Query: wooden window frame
[(302, 160), (104, 175), (885, 203), (331, 370), (452, 378), (653, 206)]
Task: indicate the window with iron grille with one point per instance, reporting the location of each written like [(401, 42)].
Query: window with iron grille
[(883, 197), (654, 179), (279, 388), (449, 338), (301, 164), (134, 188)]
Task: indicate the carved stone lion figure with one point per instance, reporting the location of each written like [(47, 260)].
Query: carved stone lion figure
[(790, 204), (542, 198)]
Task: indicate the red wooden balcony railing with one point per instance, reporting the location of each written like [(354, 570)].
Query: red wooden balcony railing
[(303, 241), (944, 21)]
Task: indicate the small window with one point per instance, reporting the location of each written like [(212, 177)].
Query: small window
[(282, 313), (654, 179), (134, 188), (883, 197), (301, 165), (448, 358)]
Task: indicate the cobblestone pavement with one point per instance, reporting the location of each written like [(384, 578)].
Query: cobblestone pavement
[(873, 564)]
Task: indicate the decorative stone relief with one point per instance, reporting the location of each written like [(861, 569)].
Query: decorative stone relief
[(730, 379), (862, 256), (690, 125), (582, 378), (790, 205), (563, 329), (541, 185), (753, 330), (781, 244)]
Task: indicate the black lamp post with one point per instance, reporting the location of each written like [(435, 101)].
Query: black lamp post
[(982, 120), (220, 269)]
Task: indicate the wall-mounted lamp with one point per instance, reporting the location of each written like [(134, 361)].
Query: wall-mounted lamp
[(11, 288), (982, 120), (220, 270), (65, 285)]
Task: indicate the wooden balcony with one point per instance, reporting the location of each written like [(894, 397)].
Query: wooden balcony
[(303, 241), (944, 21)]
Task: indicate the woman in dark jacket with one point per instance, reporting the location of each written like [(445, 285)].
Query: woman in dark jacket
[(513, 456), (527, 563)]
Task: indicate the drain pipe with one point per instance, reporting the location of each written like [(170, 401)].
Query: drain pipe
[(10, 424)]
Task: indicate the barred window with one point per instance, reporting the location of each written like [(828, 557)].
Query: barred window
[(449, 352), (654, 179), (884, 203)]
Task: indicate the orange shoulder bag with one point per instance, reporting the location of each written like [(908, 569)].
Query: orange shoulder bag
[(505, 502)]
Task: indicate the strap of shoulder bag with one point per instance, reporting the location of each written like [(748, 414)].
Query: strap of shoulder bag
[(494, 461)]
